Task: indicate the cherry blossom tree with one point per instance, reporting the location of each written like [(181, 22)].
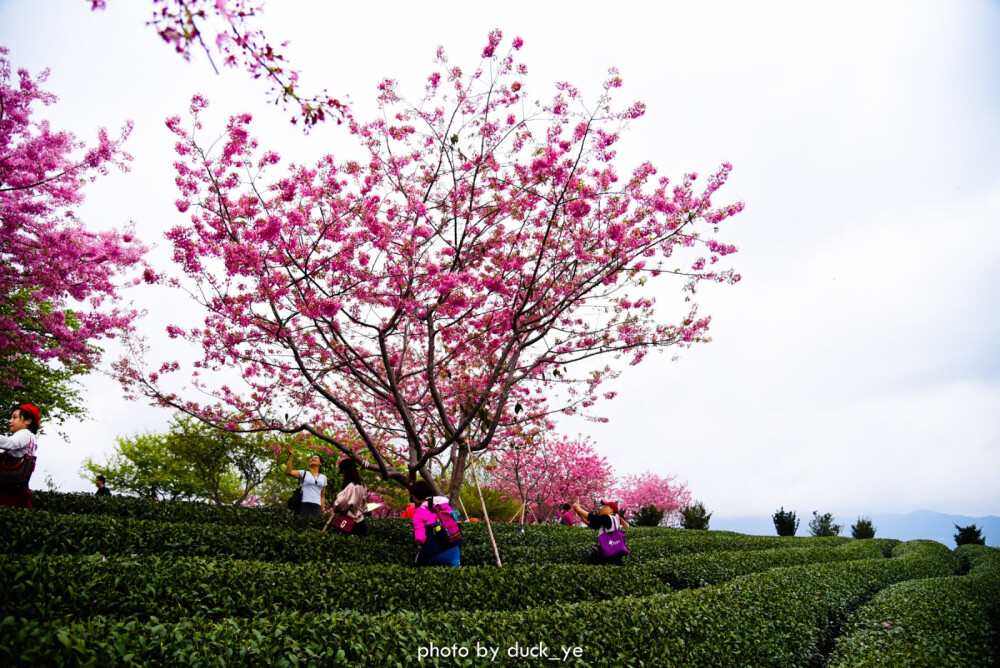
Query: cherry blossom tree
[(182, 24), (634, 492), (557, 470), (477, 272), (60, 282)]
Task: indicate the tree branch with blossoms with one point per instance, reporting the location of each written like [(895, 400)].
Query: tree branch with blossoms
[(474, 275), (182, 23)]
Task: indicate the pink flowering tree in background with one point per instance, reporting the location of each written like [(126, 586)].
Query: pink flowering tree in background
[(473, 275), (634, 492), (545, 475), (182, 24), (60, 282)]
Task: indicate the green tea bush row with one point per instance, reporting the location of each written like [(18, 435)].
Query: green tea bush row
[(780, 618), (651, 540), (168, 511), (946, 621), (38, 532), (43, 586), (389, 541)]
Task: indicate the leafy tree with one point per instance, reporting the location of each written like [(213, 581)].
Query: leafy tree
[(648, 516), (863, 529), (51, 387), (785, 523), (59, 282), (822, 525), (648, 489), (500, 506), (693, 516), (184, 23), (970, 535), (195, 462), (472, 275)]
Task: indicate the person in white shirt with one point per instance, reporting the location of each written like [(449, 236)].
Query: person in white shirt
[(23, 426), (313, 485)]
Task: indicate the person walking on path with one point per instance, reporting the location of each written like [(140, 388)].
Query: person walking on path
[(22, 442), (313, 485)]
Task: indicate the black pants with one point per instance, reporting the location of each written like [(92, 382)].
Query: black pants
[(310, 509), (596, 556)]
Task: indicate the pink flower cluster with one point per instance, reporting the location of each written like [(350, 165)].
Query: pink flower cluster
[(60, 281)]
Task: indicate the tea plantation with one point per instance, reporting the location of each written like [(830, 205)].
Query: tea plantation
[(120, 582)]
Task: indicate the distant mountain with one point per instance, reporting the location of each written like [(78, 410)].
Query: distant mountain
[(918, 524)]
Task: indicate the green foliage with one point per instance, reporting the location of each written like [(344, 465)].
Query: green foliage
[(944, 621), (693, 516), (970, 535), (648, 516), (53, 389), (863, 528), (47, 586), (785, 523), (195, 462), (778, 617), (130, 581), (822, 525), (500, 507)]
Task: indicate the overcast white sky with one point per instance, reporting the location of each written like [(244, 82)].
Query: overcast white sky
[(854, 369)]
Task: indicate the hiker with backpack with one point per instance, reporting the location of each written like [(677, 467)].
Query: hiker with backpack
[(435, 528), (610, 548)]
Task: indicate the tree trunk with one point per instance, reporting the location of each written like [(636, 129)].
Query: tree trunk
[(458, 476)]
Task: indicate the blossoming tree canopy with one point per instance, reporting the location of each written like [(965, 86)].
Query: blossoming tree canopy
[(59, 281), (180, 24), (635, 492), (475, 273), (544, 473)]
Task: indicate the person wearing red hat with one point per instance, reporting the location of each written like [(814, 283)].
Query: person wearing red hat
[(23, 426), (604, 520)]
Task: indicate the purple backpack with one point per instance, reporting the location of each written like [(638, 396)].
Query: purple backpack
[(613, 542)]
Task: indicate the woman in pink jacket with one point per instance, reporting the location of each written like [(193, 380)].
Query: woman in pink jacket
[(433, 551)]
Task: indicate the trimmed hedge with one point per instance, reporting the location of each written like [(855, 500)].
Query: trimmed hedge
[(389, 541), (37, 532), (654, 541), (46, 587), (947, 621), (192, 512), (781, 617)]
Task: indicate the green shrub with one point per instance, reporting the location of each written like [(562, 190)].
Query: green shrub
[(822, 525), (785, 523), (648, 516), (944, 621), (693, 516), (863, 529), (43, 586), (780, 617), (970, 535)]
